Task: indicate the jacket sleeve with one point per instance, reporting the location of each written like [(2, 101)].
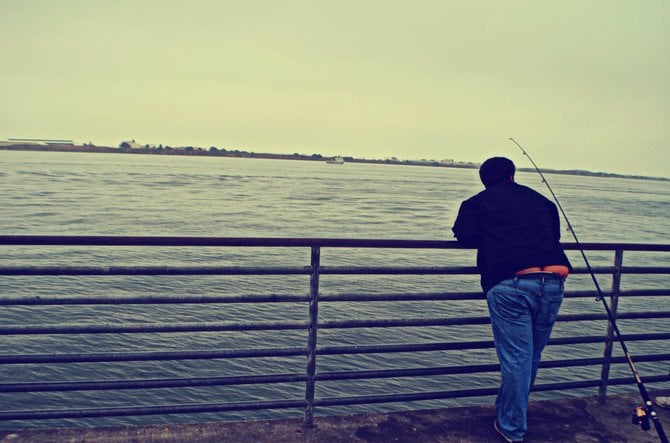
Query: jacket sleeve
[(555, 221), (466, 227)]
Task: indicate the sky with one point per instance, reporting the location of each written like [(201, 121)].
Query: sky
[(581, 84)]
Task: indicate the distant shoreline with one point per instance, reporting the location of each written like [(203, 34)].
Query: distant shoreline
[(216, 152)]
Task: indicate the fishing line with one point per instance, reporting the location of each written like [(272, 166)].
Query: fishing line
[(648, 404)]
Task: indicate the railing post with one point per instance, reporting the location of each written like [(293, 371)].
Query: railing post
[(311, 339), (609, 344)]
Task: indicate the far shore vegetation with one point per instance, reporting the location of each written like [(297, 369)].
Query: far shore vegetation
[(135, 148)]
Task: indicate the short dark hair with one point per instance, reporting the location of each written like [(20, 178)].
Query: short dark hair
[(495, 170)]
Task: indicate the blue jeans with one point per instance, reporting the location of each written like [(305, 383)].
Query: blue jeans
[(523, 311)]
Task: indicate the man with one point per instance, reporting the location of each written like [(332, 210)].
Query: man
[(522, 265)]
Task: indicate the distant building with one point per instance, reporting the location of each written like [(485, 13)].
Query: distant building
[(35, 141), (130, 145)]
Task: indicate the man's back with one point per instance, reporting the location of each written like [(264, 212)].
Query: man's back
[(513, 227)]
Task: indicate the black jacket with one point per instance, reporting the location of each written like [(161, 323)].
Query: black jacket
[(513, 227)]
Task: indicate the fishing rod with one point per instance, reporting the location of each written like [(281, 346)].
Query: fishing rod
[(639, 416)]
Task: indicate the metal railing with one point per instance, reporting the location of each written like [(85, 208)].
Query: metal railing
[(311, 350)]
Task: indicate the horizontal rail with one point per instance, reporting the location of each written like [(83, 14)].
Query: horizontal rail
[(294, 270), (281, 298), (469, 345), (291, 352), (151, 270), (291, 242), (100, 357), (105, 385), (145, 328), (51, 240), (276, 326), (151, 299), (151, 410)]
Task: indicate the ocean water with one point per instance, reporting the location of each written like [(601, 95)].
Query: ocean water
[(140, 195)]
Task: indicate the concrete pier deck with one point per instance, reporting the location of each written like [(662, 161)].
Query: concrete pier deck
[(566, 420)]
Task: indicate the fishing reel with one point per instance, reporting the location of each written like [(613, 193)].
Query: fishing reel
[(641, 417)]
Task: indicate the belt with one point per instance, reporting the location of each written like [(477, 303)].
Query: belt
[(538, 275)]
